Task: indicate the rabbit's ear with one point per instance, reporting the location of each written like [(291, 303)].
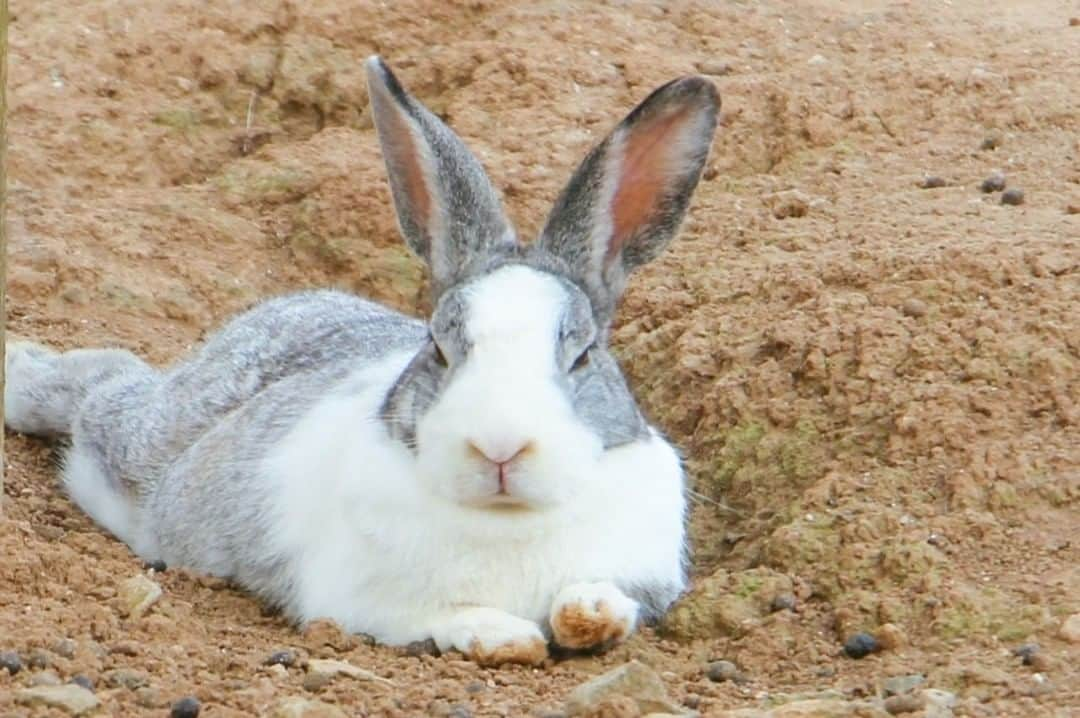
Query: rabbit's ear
[(447, 209), (626, 200)]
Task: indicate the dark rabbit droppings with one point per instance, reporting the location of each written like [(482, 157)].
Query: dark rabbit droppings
[(1014, 196), (187, 707), (994, 183), (861, 645), (1026, 652), (11, 661)]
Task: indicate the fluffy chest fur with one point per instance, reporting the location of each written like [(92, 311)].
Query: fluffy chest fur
[(380, 554)]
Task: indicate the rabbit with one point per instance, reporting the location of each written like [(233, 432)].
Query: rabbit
[(484, 480)]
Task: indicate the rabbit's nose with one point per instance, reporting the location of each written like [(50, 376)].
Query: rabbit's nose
[(497, 453)]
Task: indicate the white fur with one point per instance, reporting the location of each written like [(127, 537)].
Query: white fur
[(484, 630), (382, 547), (90, 488)]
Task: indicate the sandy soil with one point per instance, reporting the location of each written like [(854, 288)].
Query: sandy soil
[(876, 384)]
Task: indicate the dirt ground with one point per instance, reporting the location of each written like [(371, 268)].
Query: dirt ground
[(877, 384)]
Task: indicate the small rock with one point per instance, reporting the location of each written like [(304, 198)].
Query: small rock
[(899, 685), (720, 671), (990, 142), (45, 678), (321, 671), (126, 678), (932, 182), (138, 594), (938, 702), (1074, 22), (475, 687), (426, 647), (65, 647), (76, 700), (907, 703), (149, 697), (11, 661), (692, 701), (913, 307), (315, 682), (718, 68), (994, 183), (157, 566), (187, 707), (861, 645), (1073, 209), (38, 659), (788, 204), (124, 648), (84, 681), (1070, 629), (633, 680), (890, 636), (783, 602), (1025, 652), (1014, 196), (296, 707), (284, 658), (328, 634)]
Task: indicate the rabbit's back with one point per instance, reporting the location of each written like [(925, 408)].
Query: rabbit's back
[(319, 336)]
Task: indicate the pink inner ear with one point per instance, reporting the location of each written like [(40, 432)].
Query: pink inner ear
[(649, 151), (410, 170)]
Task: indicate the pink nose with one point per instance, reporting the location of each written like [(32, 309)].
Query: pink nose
[(499, 454)]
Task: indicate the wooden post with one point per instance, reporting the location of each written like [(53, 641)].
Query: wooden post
[(3, 228)]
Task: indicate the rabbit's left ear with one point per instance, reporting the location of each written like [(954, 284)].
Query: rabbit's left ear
[(627, 199), (447, 209)]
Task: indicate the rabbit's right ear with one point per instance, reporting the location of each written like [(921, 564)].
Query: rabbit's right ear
[(627, 199), (447, 209)]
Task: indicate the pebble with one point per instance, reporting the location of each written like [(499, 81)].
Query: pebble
[(1070, 629), (71, 698), (788, 204), (157, 566), (714, 67), (65, 647), (285, 658), (11, 661), (38, 658), (138, 594), (990, 142), (907, 703), (475, 687), (84, 681), (932, 182), (187, 707), (148, 697), (720, 671), (322, 671), (783, 602), (296, 707), (913, 307), (861, 645), (632, 682), (124, 648), (422, 648), (890, 636), (126, 678), (1026, 652), (994, 183), (45, 678), (899, 685), (1014, 196)]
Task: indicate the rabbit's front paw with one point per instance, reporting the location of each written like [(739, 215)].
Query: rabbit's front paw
[(491, 637), (592, 615)]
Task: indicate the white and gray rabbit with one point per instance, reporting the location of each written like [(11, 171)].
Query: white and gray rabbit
[(485, 479)]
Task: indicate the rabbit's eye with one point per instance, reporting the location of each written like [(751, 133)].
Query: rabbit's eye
[(582, 361), (440, 358)]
